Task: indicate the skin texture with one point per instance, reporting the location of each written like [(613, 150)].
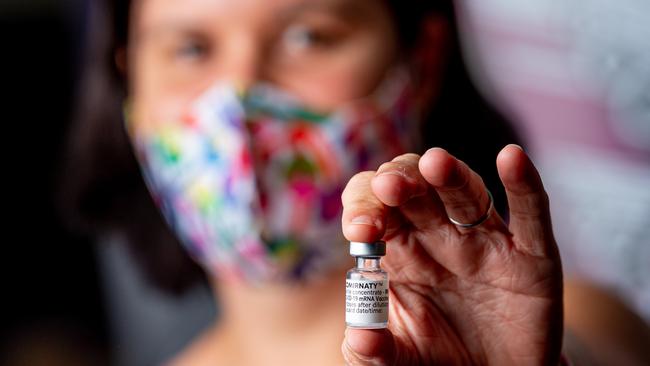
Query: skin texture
[(489, 295), (486, 295)]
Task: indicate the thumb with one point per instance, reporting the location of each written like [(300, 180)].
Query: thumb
[(369, 347)]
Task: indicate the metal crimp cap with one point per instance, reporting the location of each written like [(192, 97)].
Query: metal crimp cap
[(376, 249)]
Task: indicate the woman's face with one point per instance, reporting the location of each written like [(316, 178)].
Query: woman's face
[(326, 52)]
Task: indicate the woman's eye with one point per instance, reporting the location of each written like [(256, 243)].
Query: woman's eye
[(300, 37), (191, 51)]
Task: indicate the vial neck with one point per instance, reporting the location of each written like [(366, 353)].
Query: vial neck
[(368, 263)]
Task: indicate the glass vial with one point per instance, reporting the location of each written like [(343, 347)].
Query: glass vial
[(366, 287)]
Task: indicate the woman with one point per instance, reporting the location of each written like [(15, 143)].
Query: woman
[(248, 119)]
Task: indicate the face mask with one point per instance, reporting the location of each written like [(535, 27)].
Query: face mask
[(251, 183)]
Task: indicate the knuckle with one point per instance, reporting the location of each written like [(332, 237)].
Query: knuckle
[(408, 157)]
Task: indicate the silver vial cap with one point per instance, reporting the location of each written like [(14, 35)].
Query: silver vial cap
[(376, 249)]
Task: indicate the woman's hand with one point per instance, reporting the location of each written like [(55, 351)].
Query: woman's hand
[(491, 294)]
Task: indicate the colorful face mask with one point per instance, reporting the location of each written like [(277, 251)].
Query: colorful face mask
[(252, 183)]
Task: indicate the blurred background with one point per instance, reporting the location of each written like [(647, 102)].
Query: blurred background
[(52, 306), (573, 76)]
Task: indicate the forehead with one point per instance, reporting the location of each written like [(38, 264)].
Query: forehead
[(150, 13)]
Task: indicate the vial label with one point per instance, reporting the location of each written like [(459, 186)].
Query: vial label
[(366, 302)]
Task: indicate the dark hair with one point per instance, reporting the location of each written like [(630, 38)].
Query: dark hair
[(103, 190)]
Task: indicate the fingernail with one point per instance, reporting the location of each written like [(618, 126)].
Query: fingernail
[(365, 220), (517, 146), (436, 149), (400, 173), (397, 173)]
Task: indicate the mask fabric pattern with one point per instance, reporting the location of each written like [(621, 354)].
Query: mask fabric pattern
[(251, 183)]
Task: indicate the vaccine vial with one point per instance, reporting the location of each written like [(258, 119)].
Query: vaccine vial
[(366, 287)]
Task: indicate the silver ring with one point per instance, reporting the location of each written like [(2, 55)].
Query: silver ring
[(482, 219)]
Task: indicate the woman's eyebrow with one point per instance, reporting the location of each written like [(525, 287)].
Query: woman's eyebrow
[(167, 29), (345, 8)]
